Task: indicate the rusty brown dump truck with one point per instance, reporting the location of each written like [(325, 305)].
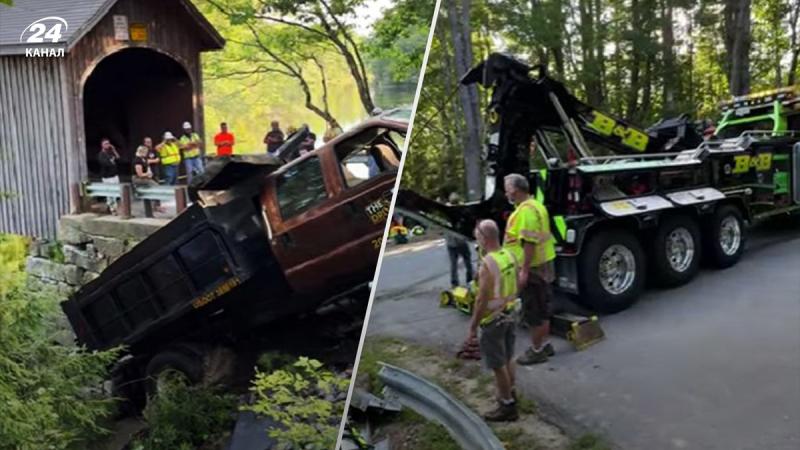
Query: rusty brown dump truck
[(264, 239)]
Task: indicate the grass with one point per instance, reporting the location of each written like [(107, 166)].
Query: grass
[(516, 439), (427, 435), (415, 431), (589, 441)]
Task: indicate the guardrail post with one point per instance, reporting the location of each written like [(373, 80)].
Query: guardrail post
[(148, 208), (75, 198), (124, 210), (180, 199)]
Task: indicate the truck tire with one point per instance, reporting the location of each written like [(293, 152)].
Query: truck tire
[(611, 271), (675, 253), (183, 364), (127, 388), (726, 236)]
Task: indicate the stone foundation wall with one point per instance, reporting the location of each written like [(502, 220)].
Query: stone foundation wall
[(86, 244)]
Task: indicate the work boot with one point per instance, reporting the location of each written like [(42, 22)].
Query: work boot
[(532, 357), (503, 413), (549, 350)]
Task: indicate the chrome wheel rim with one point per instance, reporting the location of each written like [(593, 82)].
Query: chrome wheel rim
[(617, 269), (730, 235), (680, 249)]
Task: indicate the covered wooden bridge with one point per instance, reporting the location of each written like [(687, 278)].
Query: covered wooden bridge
[(122, 69)]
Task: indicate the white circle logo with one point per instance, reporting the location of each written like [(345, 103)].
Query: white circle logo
[(47, 28)]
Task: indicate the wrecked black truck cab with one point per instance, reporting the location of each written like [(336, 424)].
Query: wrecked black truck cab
[(264, 239)]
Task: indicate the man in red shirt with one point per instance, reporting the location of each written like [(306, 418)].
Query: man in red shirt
[(224, 141)]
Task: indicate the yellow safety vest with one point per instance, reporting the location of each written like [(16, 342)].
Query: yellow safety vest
[(186, 140), (170, 154), (530, 222), (504, 272)]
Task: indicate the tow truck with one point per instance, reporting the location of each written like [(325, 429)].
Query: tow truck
[(264, 240), (622, 210)]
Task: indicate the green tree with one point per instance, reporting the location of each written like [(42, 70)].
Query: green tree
[(287, 38), (306, 399), (49, 391)]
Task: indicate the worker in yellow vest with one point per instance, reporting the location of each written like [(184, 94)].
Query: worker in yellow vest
[(528, 237), (191, 145), (170, 155), (494, 311)]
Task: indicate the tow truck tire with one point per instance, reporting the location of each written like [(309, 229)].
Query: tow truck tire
[(675, 253), (611, 271), (190, 366), (726, 236)]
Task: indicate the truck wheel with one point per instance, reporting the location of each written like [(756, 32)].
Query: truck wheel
[(675, 254), (726, 237), (611, 271), (175, 364), (127, 388)]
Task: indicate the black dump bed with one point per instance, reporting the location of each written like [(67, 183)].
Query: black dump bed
[(187, 268)]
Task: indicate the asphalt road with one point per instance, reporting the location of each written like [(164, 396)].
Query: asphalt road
[(711, 365)]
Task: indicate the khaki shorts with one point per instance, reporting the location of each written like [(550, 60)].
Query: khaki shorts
[(497, 342), (537, 299)]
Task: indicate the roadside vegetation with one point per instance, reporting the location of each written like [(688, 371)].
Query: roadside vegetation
[(466, 381), (51, 392)]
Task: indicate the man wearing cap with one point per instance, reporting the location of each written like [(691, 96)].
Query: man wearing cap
[(170, 155), (528, 237), (190, 144)]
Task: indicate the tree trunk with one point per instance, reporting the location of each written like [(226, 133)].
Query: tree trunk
[(590, 72), (670, 80), (794, 40), (462, 52), (737, 45), (636, 53)]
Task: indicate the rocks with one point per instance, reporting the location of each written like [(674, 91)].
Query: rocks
[(109, 247), (67, 234), (89, 276), (86, 245), (50, 270)]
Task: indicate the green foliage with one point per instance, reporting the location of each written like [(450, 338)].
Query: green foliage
[(306, 399), (397, 44), (589, 442), (274, 360), (185, 417), (12, 260), (614, 54), (427, 435), (49, 392)]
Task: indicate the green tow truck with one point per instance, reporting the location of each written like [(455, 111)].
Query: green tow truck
[(629, 207)]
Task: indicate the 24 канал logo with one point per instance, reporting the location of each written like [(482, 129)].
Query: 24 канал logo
[(43, 31)]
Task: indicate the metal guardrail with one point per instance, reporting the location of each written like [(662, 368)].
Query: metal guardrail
[(126, 192), (434, 403)]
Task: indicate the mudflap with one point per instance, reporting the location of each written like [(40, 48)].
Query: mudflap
[(581, 331)]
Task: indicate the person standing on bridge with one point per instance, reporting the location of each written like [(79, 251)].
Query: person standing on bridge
[(190, 144), (528, 237), (170, 155), (274, 138), (224, 141), (494, 312), (109, 171)]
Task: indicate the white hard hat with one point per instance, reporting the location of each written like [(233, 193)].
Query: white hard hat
[(186, 125), (168, 135)]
